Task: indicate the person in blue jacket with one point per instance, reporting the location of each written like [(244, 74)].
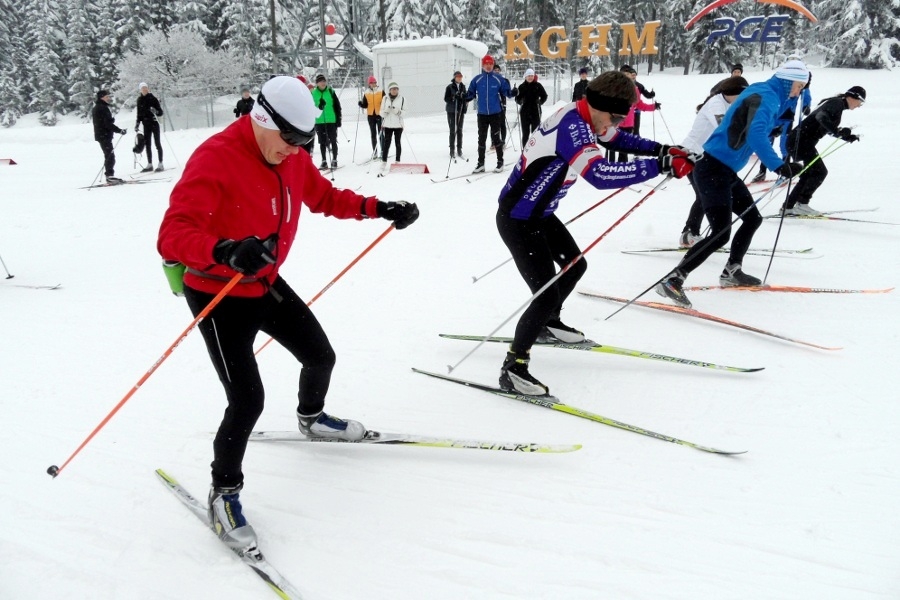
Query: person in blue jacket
[(488, 87), (743, 131), (785, 126), (563, 148)]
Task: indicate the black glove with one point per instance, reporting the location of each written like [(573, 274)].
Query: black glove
[(463, 94), (156, 111), (789, 169), (123, 131), (338, 123), (237, 113), (847, 135), (402, 213), (136, 123), (248, 256), (775, 132), (657, 105), (651, 94), (360, 104), (665, 149), (321, 103), (677, 163), (806, 111)]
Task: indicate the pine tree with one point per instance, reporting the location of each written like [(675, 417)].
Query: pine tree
[(10, 99), (193, 15), (79, 54), (406, 19), (483, 24), (245, 24), (861, 33), (44, 36)]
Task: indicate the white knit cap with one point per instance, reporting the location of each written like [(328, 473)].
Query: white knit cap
[(143, 85), (290, 99), (793, 70), (529, 72)]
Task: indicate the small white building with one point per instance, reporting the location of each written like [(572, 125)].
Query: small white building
[(423, 68)]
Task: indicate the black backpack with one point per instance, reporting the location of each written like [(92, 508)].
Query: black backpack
[(138, 143)]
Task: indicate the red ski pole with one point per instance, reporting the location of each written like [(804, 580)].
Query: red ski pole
[(53, 470)]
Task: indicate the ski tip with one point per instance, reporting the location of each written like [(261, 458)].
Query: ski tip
[(754, 370)]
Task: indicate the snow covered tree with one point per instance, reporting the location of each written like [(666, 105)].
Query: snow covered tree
[(245, 24), (482, 22), (80, 51), (193, 15), (44, 37), (10, 98), (406, 19), (861, 33), (181, 65)]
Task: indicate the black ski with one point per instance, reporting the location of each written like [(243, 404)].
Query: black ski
[(553, 403)]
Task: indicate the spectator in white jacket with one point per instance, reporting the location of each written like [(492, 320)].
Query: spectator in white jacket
[(709, 115), (392, 120)]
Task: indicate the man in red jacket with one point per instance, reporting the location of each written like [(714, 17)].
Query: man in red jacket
[(235, 210)]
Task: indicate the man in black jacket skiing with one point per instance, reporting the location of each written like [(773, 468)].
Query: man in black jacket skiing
[(148, 109), (530, 98), (104, 128), (825, 119), (455, 103)]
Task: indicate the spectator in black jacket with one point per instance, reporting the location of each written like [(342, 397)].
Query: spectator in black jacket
[(530, 98), (148, 109), (581, 85), (104, 128), (244, 105), (456, 105), (824, 120)]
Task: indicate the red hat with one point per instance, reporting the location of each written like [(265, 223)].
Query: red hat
[(487, 60), (302, 79), (372, 80)]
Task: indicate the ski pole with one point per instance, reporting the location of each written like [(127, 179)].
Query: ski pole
[(819, 156), (8, 274), (339, 275), (663, 119), (575, 218), (562, 271), (53, 470), (771, 190)]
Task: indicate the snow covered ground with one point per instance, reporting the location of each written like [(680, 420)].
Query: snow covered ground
[(809, 512)]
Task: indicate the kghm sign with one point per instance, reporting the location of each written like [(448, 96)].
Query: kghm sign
[(750, 29), (554, 42)]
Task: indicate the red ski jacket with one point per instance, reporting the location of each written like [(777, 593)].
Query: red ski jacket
[(229, 191)]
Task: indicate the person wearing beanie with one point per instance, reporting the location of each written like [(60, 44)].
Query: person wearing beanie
[(456, 105), (560, 151), (785, 126), (531, 98), (630, 122), (328, 121), (737, 70), (232, 219), (503, 122), (244, 104), (371, 103), (744, 130), (104, 128), (392, 114), (487, 88), (709, 114), (148, 109), (824, 120), (581, 85)]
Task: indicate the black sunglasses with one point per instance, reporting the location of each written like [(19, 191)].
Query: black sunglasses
[(289, 133)]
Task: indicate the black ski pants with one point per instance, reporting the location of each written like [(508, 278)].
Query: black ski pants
[(721, 193), (455, 123), (229, 332), (151, 129), (327, 134), (623, 156), (374, 129), (388, 133), (537, 245), (492, 121), (109, 156), (695, 215), (812, 177), (530, 121)]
